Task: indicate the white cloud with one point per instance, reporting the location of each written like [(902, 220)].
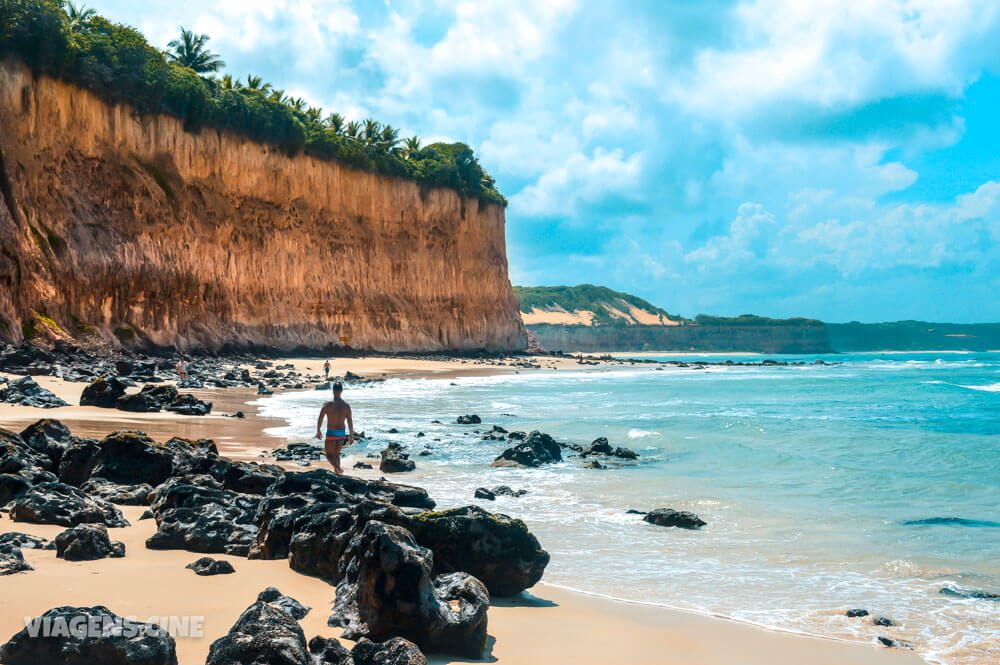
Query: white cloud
[(581, 179)]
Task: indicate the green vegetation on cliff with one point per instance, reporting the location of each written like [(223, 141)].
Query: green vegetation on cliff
[(586, 297), (116, 62)]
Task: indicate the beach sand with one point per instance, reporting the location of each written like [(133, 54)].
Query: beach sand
[(548, 625)]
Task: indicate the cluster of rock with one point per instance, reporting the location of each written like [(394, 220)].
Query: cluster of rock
[(11, 558), (400, 570), (26, 392), (499, 490), (538, 448), (394, 459), (109, 392), (680, 519)]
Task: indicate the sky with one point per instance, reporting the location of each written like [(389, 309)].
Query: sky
[(836, 159)]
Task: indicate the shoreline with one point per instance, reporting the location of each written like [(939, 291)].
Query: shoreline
[(644, 632)]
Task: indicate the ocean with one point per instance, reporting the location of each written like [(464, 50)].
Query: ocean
[(869, 482)]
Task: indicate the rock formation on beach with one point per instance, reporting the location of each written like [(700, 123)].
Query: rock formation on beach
[(129, 229)]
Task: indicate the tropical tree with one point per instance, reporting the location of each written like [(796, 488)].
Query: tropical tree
[(372, 131), (335, 122), (257, 83), (190, 51), (297, 104), (314, 114), (229, 83), (389, 138), (353, 130), (411, 146), (278, 96), (78, 16)]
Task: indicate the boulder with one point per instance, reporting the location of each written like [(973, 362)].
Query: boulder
[(503, 490), (131, 458), (202, 518), (17, 457), (471, 419), (189, 405), (536, 449), (295, 609), (494, 548), (103, 392), (150, 399), (25, 541), (26, 392), (58, 503), (394, 460), (601, 447), (483, 493), (206, 565), (265, 634), (978, 594), (329, 651), (87, 542), (856, 613), (12, 559), (670, 517), (12, 487), (395, 651), (48, 437), (388, 591), (133, 644), (123, 495)]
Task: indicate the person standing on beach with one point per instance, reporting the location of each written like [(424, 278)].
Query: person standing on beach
[(182, 371), (326, 370), (336, 412)]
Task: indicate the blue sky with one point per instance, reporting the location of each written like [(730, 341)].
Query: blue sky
[(838, 159)]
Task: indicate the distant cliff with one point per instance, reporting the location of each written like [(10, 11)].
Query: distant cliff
[(126, 228), (914, 336), (797, 338)]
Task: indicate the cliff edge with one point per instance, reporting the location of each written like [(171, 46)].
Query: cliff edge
[(127, 228)]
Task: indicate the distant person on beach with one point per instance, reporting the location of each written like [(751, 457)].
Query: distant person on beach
[(182, 371), (326, 370), (336, 411)]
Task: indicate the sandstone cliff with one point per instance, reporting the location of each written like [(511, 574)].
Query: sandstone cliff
[(131, 230)]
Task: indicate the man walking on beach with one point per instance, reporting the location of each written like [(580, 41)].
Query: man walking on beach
[(181, 368), (336, 411), (326, 370)]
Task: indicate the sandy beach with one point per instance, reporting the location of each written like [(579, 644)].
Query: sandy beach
[(548, 625)]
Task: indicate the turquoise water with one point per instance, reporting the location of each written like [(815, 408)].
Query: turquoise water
[(806, 475)]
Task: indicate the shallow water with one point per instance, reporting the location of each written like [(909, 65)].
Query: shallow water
[(807, 476)]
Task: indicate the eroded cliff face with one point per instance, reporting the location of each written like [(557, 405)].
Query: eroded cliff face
[(128, 228)]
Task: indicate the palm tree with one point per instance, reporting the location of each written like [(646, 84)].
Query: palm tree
[(189, 51), (78, 16), (229, 83), (372, 131), (257, 83), (278, 96), (411, 146), (335, 122), (297, 103), (314, 114), (353, 130), (389, 138)]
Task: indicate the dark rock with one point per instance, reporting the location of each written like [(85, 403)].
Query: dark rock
[(594, 464), (483, 493), (889, 642), (362, 465), (537, 449), (131, 458), (87, 542), (12, 487), (206, 565), (123, 367), (189, 405), (671, 517), (135, 644), (856, 613), (123, 495), (150, 399), (388, 591), (631, 511), (263, 635), (294, 608), (471, 419), (503, 490), (27, 392), (202, 518), (396, 651), (392, 430), (58, 503), (191, 384), (494, 548), (883, 621), (25, 541), (329, 651), (48, 437), (394, 460), (601, 447), (103, 392), (12, 559), (147, 515), (975, 593)]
